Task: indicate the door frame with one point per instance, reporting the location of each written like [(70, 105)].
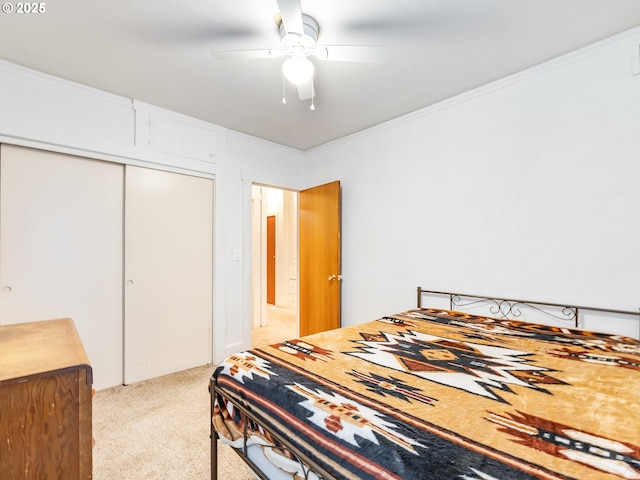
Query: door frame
[(258, 256), (259, 294)]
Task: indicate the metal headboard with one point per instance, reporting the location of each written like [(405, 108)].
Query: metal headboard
[(510, 308)]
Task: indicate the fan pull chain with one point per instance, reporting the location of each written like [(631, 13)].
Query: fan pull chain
[(284, 90), (312, 107)]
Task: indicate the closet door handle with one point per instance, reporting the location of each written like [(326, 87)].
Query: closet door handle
[(7, 289), (129, 283)]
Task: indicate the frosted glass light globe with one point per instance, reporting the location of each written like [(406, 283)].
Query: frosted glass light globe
[(298, 70)]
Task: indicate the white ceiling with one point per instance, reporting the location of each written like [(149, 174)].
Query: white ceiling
[(159, 52)]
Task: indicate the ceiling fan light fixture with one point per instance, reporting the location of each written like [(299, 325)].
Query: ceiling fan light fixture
[(298, 69)]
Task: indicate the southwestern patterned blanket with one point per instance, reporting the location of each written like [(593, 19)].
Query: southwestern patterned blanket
[(435, 394)]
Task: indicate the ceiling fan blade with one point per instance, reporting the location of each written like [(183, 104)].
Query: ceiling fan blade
[(247, 54), (352, 53), (306, 90), (291, 13)]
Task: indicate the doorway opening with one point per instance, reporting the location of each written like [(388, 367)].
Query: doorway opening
[(274, 264)]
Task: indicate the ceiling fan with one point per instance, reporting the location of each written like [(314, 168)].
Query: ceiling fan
[(299, 41)]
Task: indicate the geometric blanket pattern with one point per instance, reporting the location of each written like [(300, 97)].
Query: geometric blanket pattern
[(435, 394)]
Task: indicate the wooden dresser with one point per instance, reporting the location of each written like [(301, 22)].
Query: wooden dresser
[(45, 402)]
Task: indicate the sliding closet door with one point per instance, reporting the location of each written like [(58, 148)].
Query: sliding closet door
[(61, 249), (168, 272)]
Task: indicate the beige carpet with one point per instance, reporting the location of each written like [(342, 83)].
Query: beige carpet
[(159, 428)]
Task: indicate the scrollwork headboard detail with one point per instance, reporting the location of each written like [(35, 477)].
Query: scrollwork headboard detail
[(514, 309)]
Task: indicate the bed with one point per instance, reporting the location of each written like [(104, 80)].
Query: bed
[(438, 393)]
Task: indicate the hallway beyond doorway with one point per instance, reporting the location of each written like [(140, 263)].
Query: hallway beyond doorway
[(281, 325)]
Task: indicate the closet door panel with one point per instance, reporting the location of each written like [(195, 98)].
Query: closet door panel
[(61, 249), (168, 272)]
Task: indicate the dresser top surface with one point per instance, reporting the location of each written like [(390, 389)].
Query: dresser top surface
[(32, 348)]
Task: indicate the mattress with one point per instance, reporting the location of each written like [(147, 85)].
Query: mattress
[(439, 394)]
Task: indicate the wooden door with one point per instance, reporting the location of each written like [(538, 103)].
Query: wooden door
[(168, 273), (320, 278), (61, 248), (271, 259)]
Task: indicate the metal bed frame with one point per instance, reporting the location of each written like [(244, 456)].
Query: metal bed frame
[(501, 308), (513, 309), (308, 465)]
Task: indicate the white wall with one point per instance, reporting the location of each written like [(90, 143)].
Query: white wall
[(288, 260), (248, 161), (526, 188)]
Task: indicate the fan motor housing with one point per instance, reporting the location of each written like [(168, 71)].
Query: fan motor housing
[(300, 44)]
